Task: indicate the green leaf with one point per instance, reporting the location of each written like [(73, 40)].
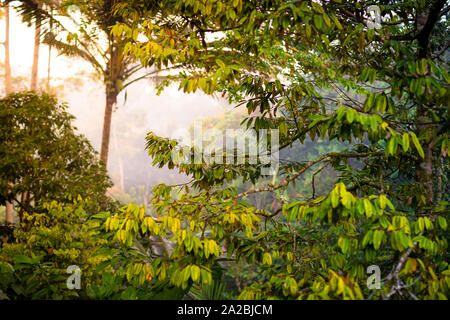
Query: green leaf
[(308, 30), (405, 142), (350, 115), (381, 103), (334, 198), (318, 21), (195, 273), (25, 259), (377, 238), (383, 201), (368, 237), (417, 144), (267, 259), (368, 208), (391, 146), (442, 222), (186, 273), (368, 104), (336, 21)]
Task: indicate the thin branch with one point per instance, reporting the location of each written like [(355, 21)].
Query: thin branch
[(437, 54), (286, 181), (151, 73), (313, 180)]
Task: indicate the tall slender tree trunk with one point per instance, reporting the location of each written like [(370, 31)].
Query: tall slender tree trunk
[(49, 55), (424, 170), (34, 69), (110, 101), (8, 80), (48, 68), (112, 74), (425, 22), (9, 212)]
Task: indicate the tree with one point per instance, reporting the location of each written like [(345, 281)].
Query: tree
[(112, 65), (35, 265), (9, 212), (317, 69), (8, 80), (35, 65), (43, 157)]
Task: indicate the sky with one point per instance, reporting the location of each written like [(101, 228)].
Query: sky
[(142, 111)]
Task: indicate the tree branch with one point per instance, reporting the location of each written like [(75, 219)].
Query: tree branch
[(286, 181)]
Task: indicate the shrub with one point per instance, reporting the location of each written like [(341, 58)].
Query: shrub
[(34, 267)]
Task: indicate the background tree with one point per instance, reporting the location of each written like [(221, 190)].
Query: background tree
[(92, 41), (47, 242), (43, 157), (9, 209), (8, 79), (35, 65)]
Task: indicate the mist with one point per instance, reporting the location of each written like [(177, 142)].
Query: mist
[(139, 110)]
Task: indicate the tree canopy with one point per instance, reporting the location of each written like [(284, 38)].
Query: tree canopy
[(310, 68), (43, 158), (376, 90)]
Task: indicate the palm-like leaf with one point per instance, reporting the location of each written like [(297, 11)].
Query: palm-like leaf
[(71, 50)]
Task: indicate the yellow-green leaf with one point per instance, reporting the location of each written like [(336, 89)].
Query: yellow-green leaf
[(405, 142), (417, 144)]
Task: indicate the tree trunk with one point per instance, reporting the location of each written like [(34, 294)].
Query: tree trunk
[(424, 170), (425, 174), (9, 213), (112, 74), (8, 81), (34, 70), (49, 55), (48, 67), (425, 23), (110, 101)]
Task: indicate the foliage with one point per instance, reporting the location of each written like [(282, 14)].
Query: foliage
[(213, 291), (129, 273), (308, 150), (81, 29), (311, 69), (35, 265), (316, 71), (43, 158)]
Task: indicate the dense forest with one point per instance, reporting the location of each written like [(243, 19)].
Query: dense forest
[(322, 173)]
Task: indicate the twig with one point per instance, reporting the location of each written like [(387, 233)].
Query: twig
[(306, 167)]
